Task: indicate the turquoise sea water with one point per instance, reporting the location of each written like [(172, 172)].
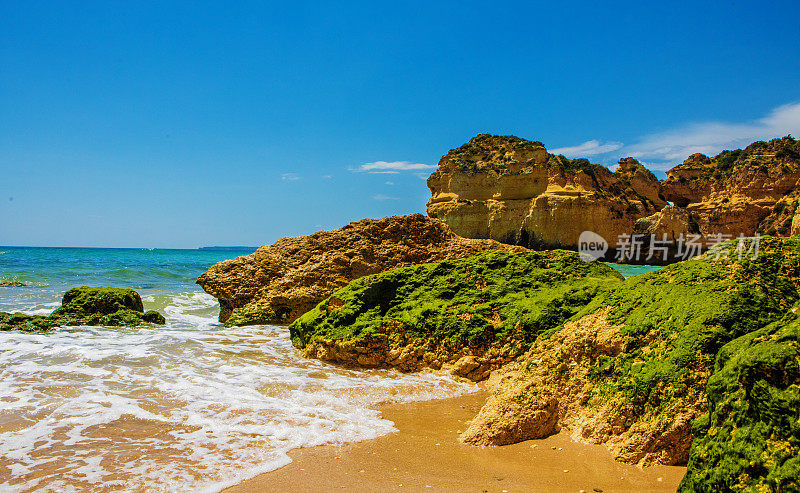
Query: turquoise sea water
[(633, 270), (190, 406), (48, 272)]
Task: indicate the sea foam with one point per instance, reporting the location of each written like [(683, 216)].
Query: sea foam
[(191, 406)]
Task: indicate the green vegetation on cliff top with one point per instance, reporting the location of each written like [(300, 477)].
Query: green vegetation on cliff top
[(785, 149), (474, 301), (87, 306), (486, 152), (755, 158)]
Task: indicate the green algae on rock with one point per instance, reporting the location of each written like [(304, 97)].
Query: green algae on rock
[(750, 439), (251, 315), (279, 282), (641, 395), (478, 312), (86, 305)]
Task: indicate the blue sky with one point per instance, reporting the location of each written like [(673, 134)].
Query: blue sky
[(182, 124)]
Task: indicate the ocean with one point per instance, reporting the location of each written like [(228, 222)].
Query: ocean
[(191, 406)]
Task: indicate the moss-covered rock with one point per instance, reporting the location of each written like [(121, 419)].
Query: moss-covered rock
[(675, 321), (85, 305), (641, 395), (698, 361), (85, 300), (437, 313), (750, 440), (153, 317), (252, 315)]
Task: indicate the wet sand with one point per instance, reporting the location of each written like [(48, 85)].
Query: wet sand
[(426, 456)]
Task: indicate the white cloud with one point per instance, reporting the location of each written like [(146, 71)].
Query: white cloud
[(665, 149), (384, 197), (712, 137), (290, 177), (390, 183), (326, 177), (392, 167), (589, 148)]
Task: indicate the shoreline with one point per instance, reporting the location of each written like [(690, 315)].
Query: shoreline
[(425, 455)]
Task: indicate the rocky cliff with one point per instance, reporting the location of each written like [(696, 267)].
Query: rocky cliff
[(740, 192), (280, 282), (514, 191)]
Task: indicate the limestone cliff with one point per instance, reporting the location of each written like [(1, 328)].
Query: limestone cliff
[(739, 192), (512, 190), (280, 282)]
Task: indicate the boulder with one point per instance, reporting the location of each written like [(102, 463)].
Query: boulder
[(280, 282), (86, 305)]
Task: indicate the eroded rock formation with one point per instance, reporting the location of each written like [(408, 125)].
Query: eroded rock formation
[(514, 191), (280, 282), (740, 192)]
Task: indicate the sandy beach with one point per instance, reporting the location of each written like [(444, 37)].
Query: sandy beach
[(424, 455)]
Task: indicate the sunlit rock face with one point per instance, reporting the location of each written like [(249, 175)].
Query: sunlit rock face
[(740, 192), (514, 191)]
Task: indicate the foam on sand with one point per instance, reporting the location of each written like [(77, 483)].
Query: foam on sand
[(192, 406)]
